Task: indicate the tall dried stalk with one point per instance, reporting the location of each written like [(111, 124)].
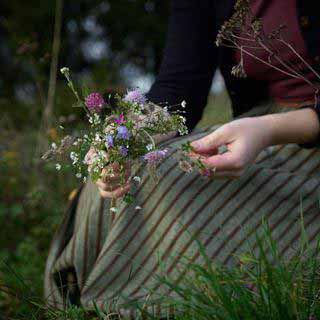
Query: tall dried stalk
[(48, 110)]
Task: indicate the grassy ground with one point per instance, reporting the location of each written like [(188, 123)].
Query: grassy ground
[(32, 201)]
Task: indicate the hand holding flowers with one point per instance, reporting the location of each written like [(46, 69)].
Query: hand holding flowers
[(117, 137)]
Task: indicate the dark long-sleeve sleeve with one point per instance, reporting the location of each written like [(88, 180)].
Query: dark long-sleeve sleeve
[(190, 58)]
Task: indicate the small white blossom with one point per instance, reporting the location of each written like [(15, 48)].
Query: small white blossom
[(138, 208), (74, 157), (53, 146), (183, 104), (149, 147), (58, 166), (65, 70), (97, 137), (94, 119), (113, 209), (79, 175), (136, 179), (84, 179)]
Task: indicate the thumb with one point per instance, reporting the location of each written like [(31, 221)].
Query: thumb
[(209, 143)]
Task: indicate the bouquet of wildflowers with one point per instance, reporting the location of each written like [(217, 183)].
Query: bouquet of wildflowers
[(119, 133)]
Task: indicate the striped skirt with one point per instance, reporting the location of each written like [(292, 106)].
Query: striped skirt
[(98, 257)]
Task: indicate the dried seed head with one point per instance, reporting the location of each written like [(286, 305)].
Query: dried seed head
[(238, 71)]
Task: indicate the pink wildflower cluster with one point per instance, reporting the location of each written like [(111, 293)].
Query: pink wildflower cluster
[(154, 157), (94, 102)]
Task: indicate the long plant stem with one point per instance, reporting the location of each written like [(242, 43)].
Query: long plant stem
[(48, 111)]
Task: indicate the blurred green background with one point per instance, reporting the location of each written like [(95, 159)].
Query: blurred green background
[(109, 45)]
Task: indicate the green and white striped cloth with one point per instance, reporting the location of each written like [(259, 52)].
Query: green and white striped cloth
[(97, 257)]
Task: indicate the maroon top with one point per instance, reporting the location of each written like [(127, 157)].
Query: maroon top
[(283, 88)]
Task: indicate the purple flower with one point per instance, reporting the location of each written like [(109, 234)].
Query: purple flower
[(123, 151), (135, 96), (120, 120), (109, 141), (123, 133), (94, 102), (154, 157)]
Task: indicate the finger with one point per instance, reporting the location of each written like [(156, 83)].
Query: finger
[(117, 193), (209, 143), (107, 186), (224, 162)]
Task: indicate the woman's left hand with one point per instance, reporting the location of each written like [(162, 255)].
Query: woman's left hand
[(244, 138)]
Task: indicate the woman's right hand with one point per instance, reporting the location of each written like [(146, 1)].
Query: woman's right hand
[(110, 186)]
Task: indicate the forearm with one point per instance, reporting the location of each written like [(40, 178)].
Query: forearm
[(299, 126)]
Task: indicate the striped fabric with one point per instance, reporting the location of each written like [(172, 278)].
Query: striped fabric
[(99, 257)]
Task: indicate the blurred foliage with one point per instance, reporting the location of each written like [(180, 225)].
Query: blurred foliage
[(101, 40)]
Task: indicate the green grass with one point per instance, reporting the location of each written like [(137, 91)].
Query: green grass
[(262, 287)]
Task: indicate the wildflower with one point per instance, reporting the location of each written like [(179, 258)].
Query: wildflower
[(183, 104), (65, 71), (149, 147), (94, 119), (53, 146), (154, 157), (79, 175), (94, 102), (120, 119), (109, 141), (185, 166), (123, 151), (74, 157), (113, 209), (58, 166), (123, 133), (135, 96), (136, 179), (138, 208), (238, 71)]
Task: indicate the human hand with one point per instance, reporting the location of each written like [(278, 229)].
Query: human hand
[(110, 185), (244, 138)]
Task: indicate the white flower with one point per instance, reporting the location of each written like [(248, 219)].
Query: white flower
[(84, 179), (65, 70), (113, 209), (183, 104), (136, 179), (97, 137), (79, 175), (58, 166), (149, 147), (138, 208), (53, 146), (74, 157)]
